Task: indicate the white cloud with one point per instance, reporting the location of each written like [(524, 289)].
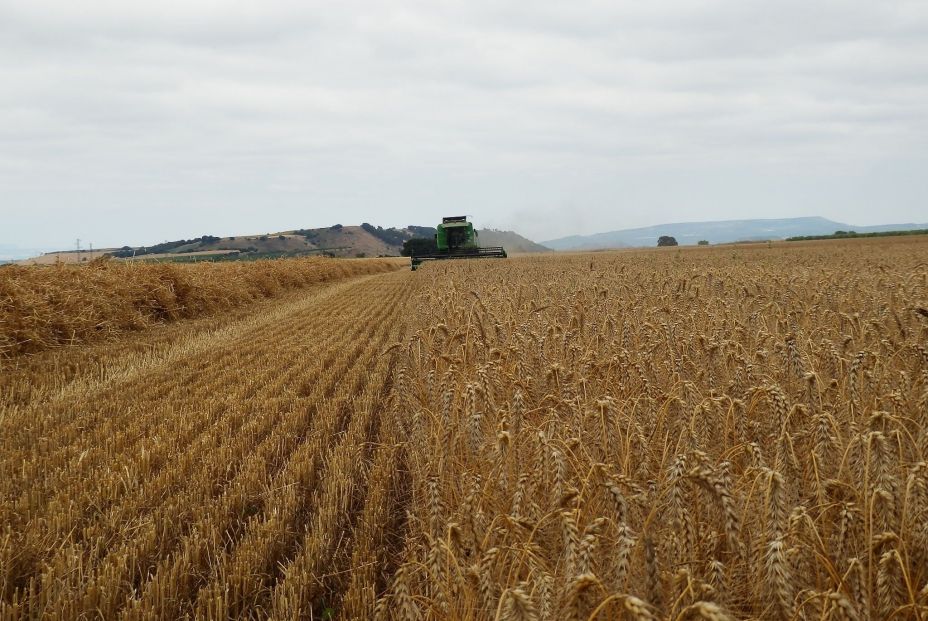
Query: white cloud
[(129, 121)]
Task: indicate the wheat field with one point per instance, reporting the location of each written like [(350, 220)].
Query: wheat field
[(733, 432)]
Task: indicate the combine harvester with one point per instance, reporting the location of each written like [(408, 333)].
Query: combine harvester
[(457, 239)]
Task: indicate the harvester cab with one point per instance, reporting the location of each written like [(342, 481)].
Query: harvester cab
[(455, 238)]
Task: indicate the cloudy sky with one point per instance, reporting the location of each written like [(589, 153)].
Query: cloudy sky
[(135, 122)]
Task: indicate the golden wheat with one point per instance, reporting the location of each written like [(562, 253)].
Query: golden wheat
[(723, 433)]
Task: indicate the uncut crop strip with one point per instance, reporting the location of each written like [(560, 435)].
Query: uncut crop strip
[(722, 433), (139, 548), (43, 308)]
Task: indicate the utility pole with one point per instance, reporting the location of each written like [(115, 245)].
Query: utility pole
[(78, 244)]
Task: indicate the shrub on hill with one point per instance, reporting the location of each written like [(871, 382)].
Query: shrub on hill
[(422, 231), (854, 234), (169, 246), (391, 236)]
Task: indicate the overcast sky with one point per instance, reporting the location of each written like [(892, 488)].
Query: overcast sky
[(136, 122)]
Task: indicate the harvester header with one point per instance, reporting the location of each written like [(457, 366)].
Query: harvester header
[(455, 238)]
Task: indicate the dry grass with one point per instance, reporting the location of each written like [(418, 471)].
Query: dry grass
[(722, 433)]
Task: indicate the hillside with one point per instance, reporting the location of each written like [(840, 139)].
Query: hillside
[(365, 240), (65, 256), (511, 241), (721, 231), (337, 240)]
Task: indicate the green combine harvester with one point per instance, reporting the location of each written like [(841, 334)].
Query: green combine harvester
[(457, 239)]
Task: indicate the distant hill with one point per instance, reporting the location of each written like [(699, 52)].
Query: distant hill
[(341, 241), (512, 242), (344, 241), (337, 240), (718, 232)]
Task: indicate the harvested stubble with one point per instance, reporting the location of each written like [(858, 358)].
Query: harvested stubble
[(46, 307), (224, 477)]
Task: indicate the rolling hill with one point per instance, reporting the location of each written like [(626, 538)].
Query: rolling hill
[(512, 242), (717, 232), (336, 240), (365, 240)]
